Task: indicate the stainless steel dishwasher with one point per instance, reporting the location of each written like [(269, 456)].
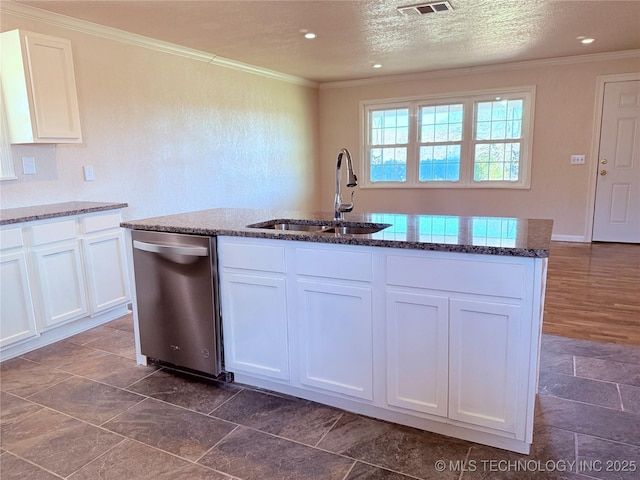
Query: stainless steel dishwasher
[(177, 299)]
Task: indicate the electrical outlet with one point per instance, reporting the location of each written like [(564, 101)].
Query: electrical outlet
[(29, 165), (577, 159)]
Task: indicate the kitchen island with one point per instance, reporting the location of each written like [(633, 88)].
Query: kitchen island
[(433, 321)]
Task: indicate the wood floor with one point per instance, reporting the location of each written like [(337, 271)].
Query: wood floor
[(593, 292)]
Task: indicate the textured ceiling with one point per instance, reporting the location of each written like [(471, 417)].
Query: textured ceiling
[(353, 35)]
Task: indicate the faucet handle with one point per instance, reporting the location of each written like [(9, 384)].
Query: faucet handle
[(347, 207)]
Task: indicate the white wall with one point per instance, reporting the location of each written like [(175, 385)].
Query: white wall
[(169, 134), (563, 125)]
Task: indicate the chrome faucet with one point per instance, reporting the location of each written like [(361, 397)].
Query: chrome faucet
[(352, 181)]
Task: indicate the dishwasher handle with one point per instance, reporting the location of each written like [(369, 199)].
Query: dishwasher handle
[(172, 249)]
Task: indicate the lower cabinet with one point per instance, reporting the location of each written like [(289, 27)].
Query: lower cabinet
[(254, 316), (336, 338), (417, 340), (107, 279), (17, 318), (60, 276), (404, 336), (485, 361), (62, 283)]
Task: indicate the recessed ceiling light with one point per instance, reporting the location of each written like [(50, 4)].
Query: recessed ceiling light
[(377, 65), (310, 35), (585, 40)]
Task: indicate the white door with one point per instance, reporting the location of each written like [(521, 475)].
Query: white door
[(107, 276), (336, 338), (417, 351), (485, 361), (617, 204), (62, 283), (254, 321), (17, 319)]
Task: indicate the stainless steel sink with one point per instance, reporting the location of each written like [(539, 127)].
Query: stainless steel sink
[(323, 227)]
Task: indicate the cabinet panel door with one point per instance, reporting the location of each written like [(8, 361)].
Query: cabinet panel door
[(62, 283), (254, 319), (417, 351), (335, 328), (17, 319), (53, 88), (106, 269), (484, 363)]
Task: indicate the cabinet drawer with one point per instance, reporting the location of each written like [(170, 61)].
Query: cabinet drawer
[(266, 258), (53, 232), (339, 264), (96, 223), (10, 238), (501, 279)]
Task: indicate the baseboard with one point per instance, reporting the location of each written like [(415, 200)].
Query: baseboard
[(569, 238)]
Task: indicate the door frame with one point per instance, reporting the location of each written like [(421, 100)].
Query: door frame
[(601, 81)]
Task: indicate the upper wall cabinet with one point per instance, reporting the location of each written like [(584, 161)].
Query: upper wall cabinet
[(39, 88)]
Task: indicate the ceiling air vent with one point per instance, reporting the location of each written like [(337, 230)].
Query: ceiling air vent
[(424, 8)]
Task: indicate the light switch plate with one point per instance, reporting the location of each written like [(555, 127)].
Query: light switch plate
[(29, 165), (577, 159), (88, 173)]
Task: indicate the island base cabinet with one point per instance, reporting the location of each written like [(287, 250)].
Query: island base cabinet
[(62, 283), (417, 334), (17, 319), (484, 364), (335, 327), (254, 322)]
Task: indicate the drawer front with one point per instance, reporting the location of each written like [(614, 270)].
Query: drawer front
[(266, 258), (470, 276), (53, 232), (11, 238), (338, 264), (96, 223)]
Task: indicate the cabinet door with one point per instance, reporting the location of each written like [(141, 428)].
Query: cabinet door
[(335, 329), (53, 89), (106, 271), (254, 319), (17, 319), (417, 351), (484, 363), (61, 282)]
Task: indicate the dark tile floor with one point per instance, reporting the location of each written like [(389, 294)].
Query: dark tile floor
[(82, 409)]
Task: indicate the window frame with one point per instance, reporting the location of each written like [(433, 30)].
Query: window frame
[(469, 99)]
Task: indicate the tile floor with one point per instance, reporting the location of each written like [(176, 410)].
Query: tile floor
[(82, 409)]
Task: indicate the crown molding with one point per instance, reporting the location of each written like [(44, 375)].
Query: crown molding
[(497, 67), (8, 7)]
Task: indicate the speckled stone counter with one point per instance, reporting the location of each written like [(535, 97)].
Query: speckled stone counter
[(52, 210), (447, 233)]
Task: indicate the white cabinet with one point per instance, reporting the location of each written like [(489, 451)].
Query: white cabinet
[(485, 363), (61, 281), (39, 88), (105, 260), (60, 276), (17, 318), (417, 331), (440, 341), (254, 309), (335, 328)]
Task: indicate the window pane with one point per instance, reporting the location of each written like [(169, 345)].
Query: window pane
[(439, 163), (497, 161), (439, 229), (499, 120), (389, 127), (441, 123), (388, 164)]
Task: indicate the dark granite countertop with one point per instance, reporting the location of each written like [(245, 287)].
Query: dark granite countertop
[(448, 233), (52, 210)]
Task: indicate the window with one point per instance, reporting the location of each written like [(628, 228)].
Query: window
[(471, 140)]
